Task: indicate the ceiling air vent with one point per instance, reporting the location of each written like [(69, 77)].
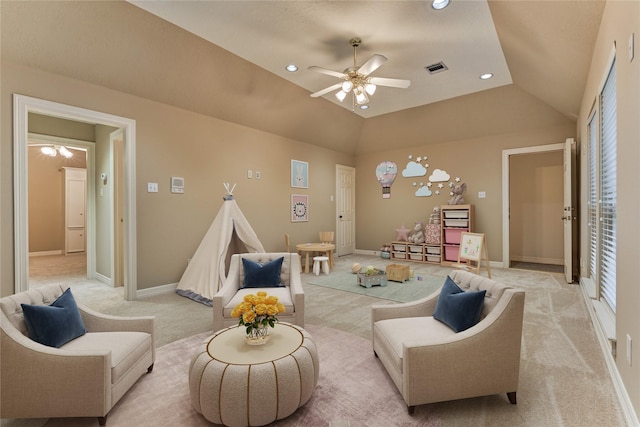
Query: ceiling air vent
[(436, 68)]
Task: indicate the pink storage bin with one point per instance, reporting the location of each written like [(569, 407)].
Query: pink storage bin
[(452, 235), (451, 253)]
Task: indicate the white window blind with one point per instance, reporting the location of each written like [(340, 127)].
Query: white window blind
[(608, 196), (592, 202)]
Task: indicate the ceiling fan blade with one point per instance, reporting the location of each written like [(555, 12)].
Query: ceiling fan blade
[(325, 71), (326, 90), (382, 81), (372, 64)]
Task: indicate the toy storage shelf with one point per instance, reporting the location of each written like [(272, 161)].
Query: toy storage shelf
[(455, 220), (416, 252)]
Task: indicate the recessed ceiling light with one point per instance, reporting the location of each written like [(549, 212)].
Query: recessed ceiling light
[(486, 76), (364, 107), (439, 4), (292, 68)]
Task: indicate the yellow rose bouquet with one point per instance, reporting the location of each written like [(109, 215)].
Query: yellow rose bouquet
[(257, 312)]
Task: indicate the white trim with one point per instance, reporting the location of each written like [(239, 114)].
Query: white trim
[(623, 397), (45, 253), (157, 290), (538, 260), (103, 279), (492, 264), (505, 189), (22, 106)]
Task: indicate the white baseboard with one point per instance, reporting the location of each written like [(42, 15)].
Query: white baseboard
[(492, 264), (157, 290), (103, 279), (605, 345), (537, 260), (46, 253)]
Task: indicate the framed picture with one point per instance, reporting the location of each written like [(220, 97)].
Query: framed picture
[(299, 174), (299, 208)]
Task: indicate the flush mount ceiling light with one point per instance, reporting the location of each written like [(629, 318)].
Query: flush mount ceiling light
[(439, 4), (53, 150), (486, 76), (292, 68), (357, 80)]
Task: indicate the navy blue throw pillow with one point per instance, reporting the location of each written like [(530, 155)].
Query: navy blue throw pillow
[(56, 324), (257, 275), (458, 309)]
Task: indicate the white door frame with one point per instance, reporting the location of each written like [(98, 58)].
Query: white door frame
[(22, 106), (506, 259)]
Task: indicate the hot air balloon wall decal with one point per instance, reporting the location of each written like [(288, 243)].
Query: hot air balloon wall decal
[(386, 173)]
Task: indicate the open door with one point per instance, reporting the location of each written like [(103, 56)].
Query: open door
[(569, 216), (345, 209), (117, 209)]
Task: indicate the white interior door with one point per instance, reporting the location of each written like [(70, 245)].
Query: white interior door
[(117, 197), (569, 216), (75, 209), (345, 209)]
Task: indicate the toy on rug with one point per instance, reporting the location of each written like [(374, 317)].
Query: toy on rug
[(356, 268), (456, 192), (385, 251), (417, 234)]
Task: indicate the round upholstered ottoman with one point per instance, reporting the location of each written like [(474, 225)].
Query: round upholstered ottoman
[(237, 384)]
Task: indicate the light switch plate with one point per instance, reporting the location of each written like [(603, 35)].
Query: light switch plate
[(152, 187)]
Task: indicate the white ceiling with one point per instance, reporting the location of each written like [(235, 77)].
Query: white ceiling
[(411, 34)]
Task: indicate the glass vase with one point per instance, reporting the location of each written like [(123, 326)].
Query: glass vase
[(258, 336)]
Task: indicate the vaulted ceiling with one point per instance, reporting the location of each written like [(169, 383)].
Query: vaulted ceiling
[(226, 60)]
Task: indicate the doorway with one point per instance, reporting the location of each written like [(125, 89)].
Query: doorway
[(57, 230), (534, 197), (24, 105)]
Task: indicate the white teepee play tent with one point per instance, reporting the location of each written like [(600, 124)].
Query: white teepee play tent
[(230, 233)]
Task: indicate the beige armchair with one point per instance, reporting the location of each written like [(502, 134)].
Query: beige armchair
[(84, 377), (230, 295), (429, 362)]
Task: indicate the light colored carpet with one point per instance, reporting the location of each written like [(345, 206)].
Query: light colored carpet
[(563, 377), (410, 290)]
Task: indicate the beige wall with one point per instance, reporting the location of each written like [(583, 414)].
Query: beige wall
[(620, 20), (478, 162), (536, 200), (206, 152)]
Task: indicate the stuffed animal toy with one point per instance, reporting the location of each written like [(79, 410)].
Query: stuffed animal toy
[(456, 192), (417, 234), (434, 218)]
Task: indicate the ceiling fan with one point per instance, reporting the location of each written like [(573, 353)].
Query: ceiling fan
[(357, 79)]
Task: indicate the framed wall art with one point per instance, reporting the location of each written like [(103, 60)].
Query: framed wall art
[(299, 174), (299, 208)]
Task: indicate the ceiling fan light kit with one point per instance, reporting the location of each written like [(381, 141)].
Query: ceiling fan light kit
[(53, 150), (357, 80)]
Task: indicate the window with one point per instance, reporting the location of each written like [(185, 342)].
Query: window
[(592, 202), (602, 197), (607, 190)]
